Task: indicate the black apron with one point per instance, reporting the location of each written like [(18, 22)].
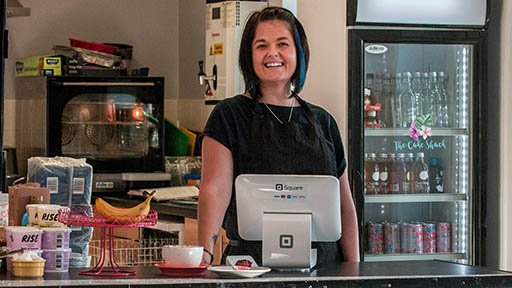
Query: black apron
[(288, 148)]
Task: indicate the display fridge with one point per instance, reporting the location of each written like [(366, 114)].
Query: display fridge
[(417, 81)]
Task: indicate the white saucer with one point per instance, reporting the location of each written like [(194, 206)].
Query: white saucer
[(228, 271)]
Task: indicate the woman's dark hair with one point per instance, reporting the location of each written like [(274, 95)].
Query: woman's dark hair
[(252, 84)]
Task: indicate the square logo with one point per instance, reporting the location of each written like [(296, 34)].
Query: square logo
[(286, 241), (279, 187)]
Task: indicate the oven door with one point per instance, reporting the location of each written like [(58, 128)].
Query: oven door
[(116, 123)]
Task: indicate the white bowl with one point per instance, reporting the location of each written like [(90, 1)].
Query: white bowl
[(182, 255)]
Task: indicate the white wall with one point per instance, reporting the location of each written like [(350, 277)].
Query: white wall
[(506, 137), (151, 27), (326, 84)]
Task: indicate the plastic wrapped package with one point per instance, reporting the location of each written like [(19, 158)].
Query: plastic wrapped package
[(69, 179), (79, 239), (77, 260)]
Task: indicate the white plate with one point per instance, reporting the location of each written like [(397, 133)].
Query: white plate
[(228, 271)]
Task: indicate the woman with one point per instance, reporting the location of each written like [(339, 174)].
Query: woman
[(270, 130)]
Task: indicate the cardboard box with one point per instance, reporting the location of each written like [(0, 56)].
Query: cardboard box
[(40, 66), (19, 197)]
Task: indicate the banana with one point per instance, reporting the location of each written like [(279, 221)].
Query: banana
[(118, 215)]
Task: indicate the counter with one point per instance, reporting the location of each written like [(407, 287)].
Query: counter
[(369, 274)]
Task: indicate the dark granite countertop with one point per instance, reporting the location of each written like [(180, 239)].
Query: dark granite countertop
[(368, 274)]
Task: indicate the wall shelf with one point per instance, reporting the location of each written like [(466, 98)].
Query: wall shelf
[(398, 132), (407, 198), (409, 257)]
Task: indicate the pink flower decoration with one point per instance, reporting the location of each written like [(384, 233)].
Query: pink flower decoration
[(413, 133), (425, 132)]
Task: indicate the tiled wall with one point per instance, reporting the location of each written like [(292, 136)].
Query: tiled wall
[(9, 123)]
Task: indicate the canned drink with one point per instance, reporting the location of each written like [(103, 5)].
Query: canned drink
[(391, 238), (429, 238), (375, 238), (415, 238), (404, 237), (444, 232)]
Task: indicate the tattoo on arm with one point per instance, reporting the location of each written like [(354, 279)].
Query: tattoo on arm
[(214, 238)]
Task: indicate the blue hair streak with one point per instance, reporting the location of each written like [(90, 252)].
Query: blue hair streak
[(302, 63)]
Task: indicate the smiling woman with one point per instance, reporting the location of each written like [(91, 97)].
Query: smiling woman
[(270, 130)]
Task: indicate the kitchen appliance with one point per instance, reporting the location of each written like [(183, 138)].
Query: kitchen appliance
[(417, 87), (116, 123), (225, 22)]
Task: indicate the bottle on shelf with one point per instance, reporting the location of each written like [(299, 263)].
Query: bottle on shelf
[(417, 89), (378, 87), (394, 183), (407, 101), (386, 114), (435, 98), (426, 103), (409, 161), (436, 176), (419, 181), (401, 175), (444, 118), (372, 186), (384, 168), (396, 104), (365, 173), (370, 84)]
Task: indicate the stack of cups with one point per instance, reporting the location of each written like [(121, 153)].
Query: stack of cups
[(54, 234), (56, 250)]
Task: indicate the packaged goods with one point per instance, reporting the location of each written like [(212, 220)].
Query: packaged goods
[(56, 260), (47, 216), (391, 238), (68, 179), (375, 238), (55, 238), (39, 66), (21, 237)]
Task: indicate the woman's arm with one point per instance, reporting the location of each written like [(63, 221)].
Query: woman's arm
[(215, 193), (349, 225)]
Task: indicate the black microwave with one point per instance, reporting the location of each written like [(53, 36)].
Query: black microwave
[(115, 123)]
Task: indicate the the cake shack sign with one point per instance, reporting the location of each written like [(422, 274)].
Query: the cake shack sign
[(428, 144)]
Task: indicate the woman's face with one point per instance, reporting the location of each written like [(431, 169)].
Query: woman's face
[(274, 56)]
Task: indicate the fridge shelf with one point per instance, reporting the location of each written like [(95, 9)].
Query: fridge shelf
[(409, 257), (405, 131), (407, 198)]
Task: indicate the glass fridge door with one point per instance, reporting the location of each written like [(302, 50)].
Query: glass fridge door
[(417, 151)]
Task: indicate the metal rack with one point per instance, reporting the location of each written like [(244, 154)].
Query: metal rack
[(85, 216)]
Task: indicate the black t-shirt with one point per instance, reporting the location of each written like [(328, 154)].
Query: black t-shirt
[(230, 125)]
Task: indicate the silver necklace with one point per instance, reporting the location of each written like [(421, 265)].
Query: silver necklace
[(279, 120)]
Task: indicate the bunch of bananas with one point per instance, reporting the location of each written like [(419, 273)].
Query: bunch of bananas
[(118, 215)]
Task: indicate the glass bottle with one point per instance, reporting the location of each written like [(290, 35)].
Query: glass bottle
[(383, 173), (436, 176), (435, 97), (386, 114), (365, 173), (408, 105), (443, 100), (426, 104), (394, 183), (373, 175), (397, 106), (419, 180), (409, 161), (370, 84), (400, 174), (417, 89)]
